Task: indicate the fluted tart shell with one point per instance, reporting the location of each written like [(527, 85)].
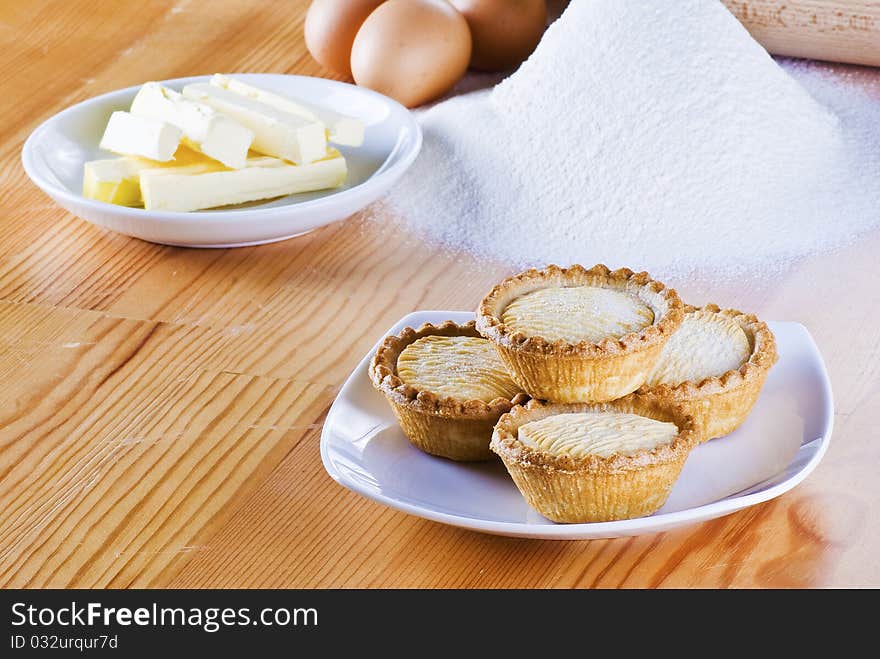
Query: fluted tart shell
[(720, 404), (446, 426), (587, 371), (592, 488)]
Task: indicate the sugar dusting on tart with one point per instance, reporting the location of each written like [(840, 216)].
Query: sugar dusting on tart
[(463, 367), (596, 433), (706, 345), (577, 313)]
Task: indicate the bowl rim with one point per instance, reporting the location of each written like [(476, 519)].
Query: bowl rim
[(399, 161)]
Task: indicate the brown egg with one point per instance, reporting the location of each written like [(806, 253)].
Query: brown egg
[(411, 50), (331, 26), (505, 32)]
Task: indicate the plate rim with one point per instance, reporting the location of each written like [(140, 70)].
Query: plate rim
[(592, 530), (397, 168)]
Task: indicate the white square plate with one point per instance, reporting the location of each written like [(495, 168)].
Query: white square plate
[(780, 443)]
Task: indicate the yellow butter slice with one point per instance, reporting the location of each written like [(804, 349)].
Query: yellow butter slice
[(118, 180), (114, 180)]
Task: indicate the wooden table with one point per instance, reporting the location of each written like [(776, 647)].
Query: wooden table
[(162, 407)]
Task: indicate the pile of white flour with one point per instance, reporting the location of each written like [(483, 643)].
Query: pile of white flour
[(654, 135)]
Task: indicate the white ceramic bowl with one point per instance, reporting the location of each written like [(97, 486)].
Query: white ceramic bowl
[(54, 154)]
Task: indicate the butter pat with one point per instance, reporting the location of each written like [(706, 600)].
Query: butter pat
[(341, 129), (204, 129), (128, 134), (276, 132), (194, 187), (117, 180)]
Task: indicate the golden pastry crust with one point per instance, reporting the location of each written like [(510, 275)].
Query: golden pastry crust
[(450, 427), (719, 404), (591, 488), (585, 371)]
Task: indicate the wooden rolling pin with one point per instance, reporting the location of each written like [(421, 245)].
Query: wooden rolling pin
[(833, 30)]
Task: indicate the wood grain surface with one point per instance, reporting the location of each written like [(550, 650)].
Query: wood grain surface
[(162, 407)]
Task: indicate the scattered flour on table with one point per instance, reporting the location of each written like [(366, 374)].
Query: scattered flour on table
[(652, 135)]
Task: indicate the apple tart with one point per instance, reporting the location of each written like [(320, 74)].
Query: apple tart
[(447, 387), (577, 335), (595, 462), (715, 366)]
